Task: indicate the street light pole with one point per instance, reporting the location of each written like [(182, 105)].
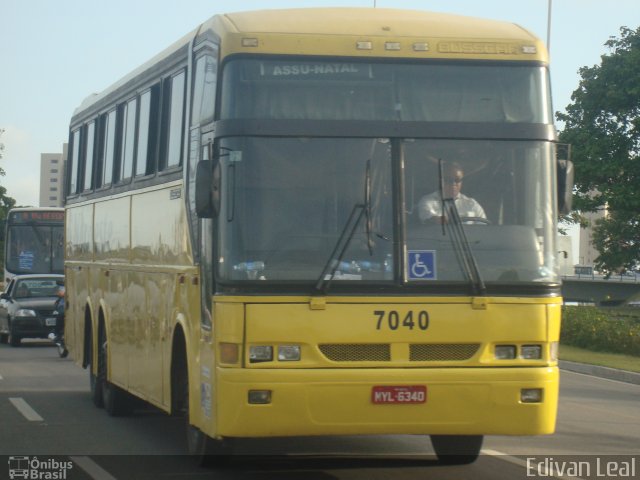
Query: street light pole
[(549, 27)]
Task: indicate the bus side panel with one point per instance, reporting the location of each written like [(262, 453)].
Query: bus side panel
[(161, 269), (111, 239), (79, 249)]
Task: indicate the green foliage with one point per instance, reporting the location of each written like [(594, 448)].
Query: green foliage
[(603, 330), (6, 204), (603, 125)]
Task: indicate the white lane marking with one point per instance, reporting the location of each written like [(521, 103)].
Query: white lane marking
[(622, 382), (518, 461), (25, 409), (90, 467)]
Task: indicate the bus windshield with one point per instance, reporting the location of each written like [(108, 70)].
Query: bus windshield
[(332, 90), (287, 201), (35, 249)]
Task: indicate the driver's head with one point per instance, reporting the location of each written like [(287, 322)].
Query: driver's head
[(452, 175)]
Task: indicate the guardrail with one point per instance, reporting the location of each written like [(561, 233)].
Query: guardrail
[(627, 277)]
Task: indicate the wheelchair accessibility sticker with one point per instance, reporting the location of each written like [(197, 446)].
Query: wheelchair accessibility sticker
[(422, 264)]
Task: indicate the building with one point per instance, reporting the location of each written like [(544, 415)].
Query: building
[(565, 255), (52, 178), (587, 252)]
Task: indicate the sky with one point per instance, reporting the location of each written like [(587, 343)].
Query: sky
[(55, 54)]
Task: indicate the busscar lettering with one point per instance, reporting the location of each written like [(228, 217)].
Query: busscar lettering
[(314, 69), (490, 48)]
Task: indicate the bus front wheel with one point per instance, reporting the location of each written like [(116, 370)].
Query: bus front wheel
[(457, 449), (206, 451)]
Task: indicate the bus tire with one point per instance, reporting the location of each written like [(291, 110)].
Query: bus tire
[(95, 379), (457, 449), (116, 401), (206, 451)]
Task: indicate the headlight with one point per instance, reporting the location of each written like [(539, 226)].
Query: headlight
[(531, 352), (260, 353), (289, 353), (25, 312), (505, 352)]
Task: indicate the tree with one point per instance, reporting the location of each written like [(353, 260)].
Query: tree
[(6, 203), (1, 150), (603, 125)]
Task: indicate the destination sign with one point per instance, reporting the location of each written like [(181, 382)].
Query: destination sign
[(37, 216), (314, 70)]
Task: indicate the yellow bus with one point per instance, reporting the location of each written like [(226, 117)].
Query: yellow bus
[(262, 234)]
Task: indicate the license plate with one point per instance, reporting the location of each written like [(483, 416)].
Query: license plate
[(399, 394), (50, 322)]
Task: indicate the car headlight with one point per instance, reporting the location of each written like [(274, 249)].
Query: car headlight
[(25, 312)]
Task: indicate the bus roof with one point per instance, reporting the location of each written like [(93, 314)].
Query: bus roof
[(37, 209), (337, 31), (373, 22)]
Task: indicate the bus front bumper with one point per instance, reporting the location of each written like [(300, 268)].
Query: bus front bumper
[(458, 401)]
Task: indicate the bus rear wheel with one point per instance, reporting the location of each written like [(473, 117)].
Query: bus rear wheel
[(95, 379), (457, 449), (116, 401)]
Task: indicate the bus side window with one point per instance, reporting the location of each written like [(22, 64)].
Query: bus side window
[(146, 132), (89, 156), (75, 159), (173, 118), (204, 90)]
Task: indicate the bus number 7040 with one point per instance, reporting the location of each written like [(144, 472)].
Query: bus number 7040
[(394, 320)]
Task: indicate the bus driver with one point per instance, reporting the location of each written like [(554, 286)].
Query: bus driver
[(430, 206)]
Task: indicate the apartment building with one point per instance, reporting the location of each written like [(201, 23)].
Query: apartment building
[(52, 178)]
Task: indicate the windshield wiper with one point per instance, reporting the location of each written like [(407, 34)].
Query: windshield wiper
[(358, 211), (330, 268), (452, 224)]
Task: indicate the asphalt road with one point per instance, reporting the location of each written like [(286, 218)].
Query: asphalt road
[(47, 419)]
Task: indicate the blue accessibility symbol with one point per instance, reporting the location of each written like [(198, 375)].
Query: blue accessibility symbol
[(422, 264)]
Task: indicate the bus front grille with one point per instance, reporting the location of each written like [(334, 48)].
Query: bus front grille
[(356, 352), (440, 352), (381, 352)]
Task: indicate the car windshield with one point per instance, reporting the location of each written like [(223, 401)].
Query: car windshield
[(36, 287)]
